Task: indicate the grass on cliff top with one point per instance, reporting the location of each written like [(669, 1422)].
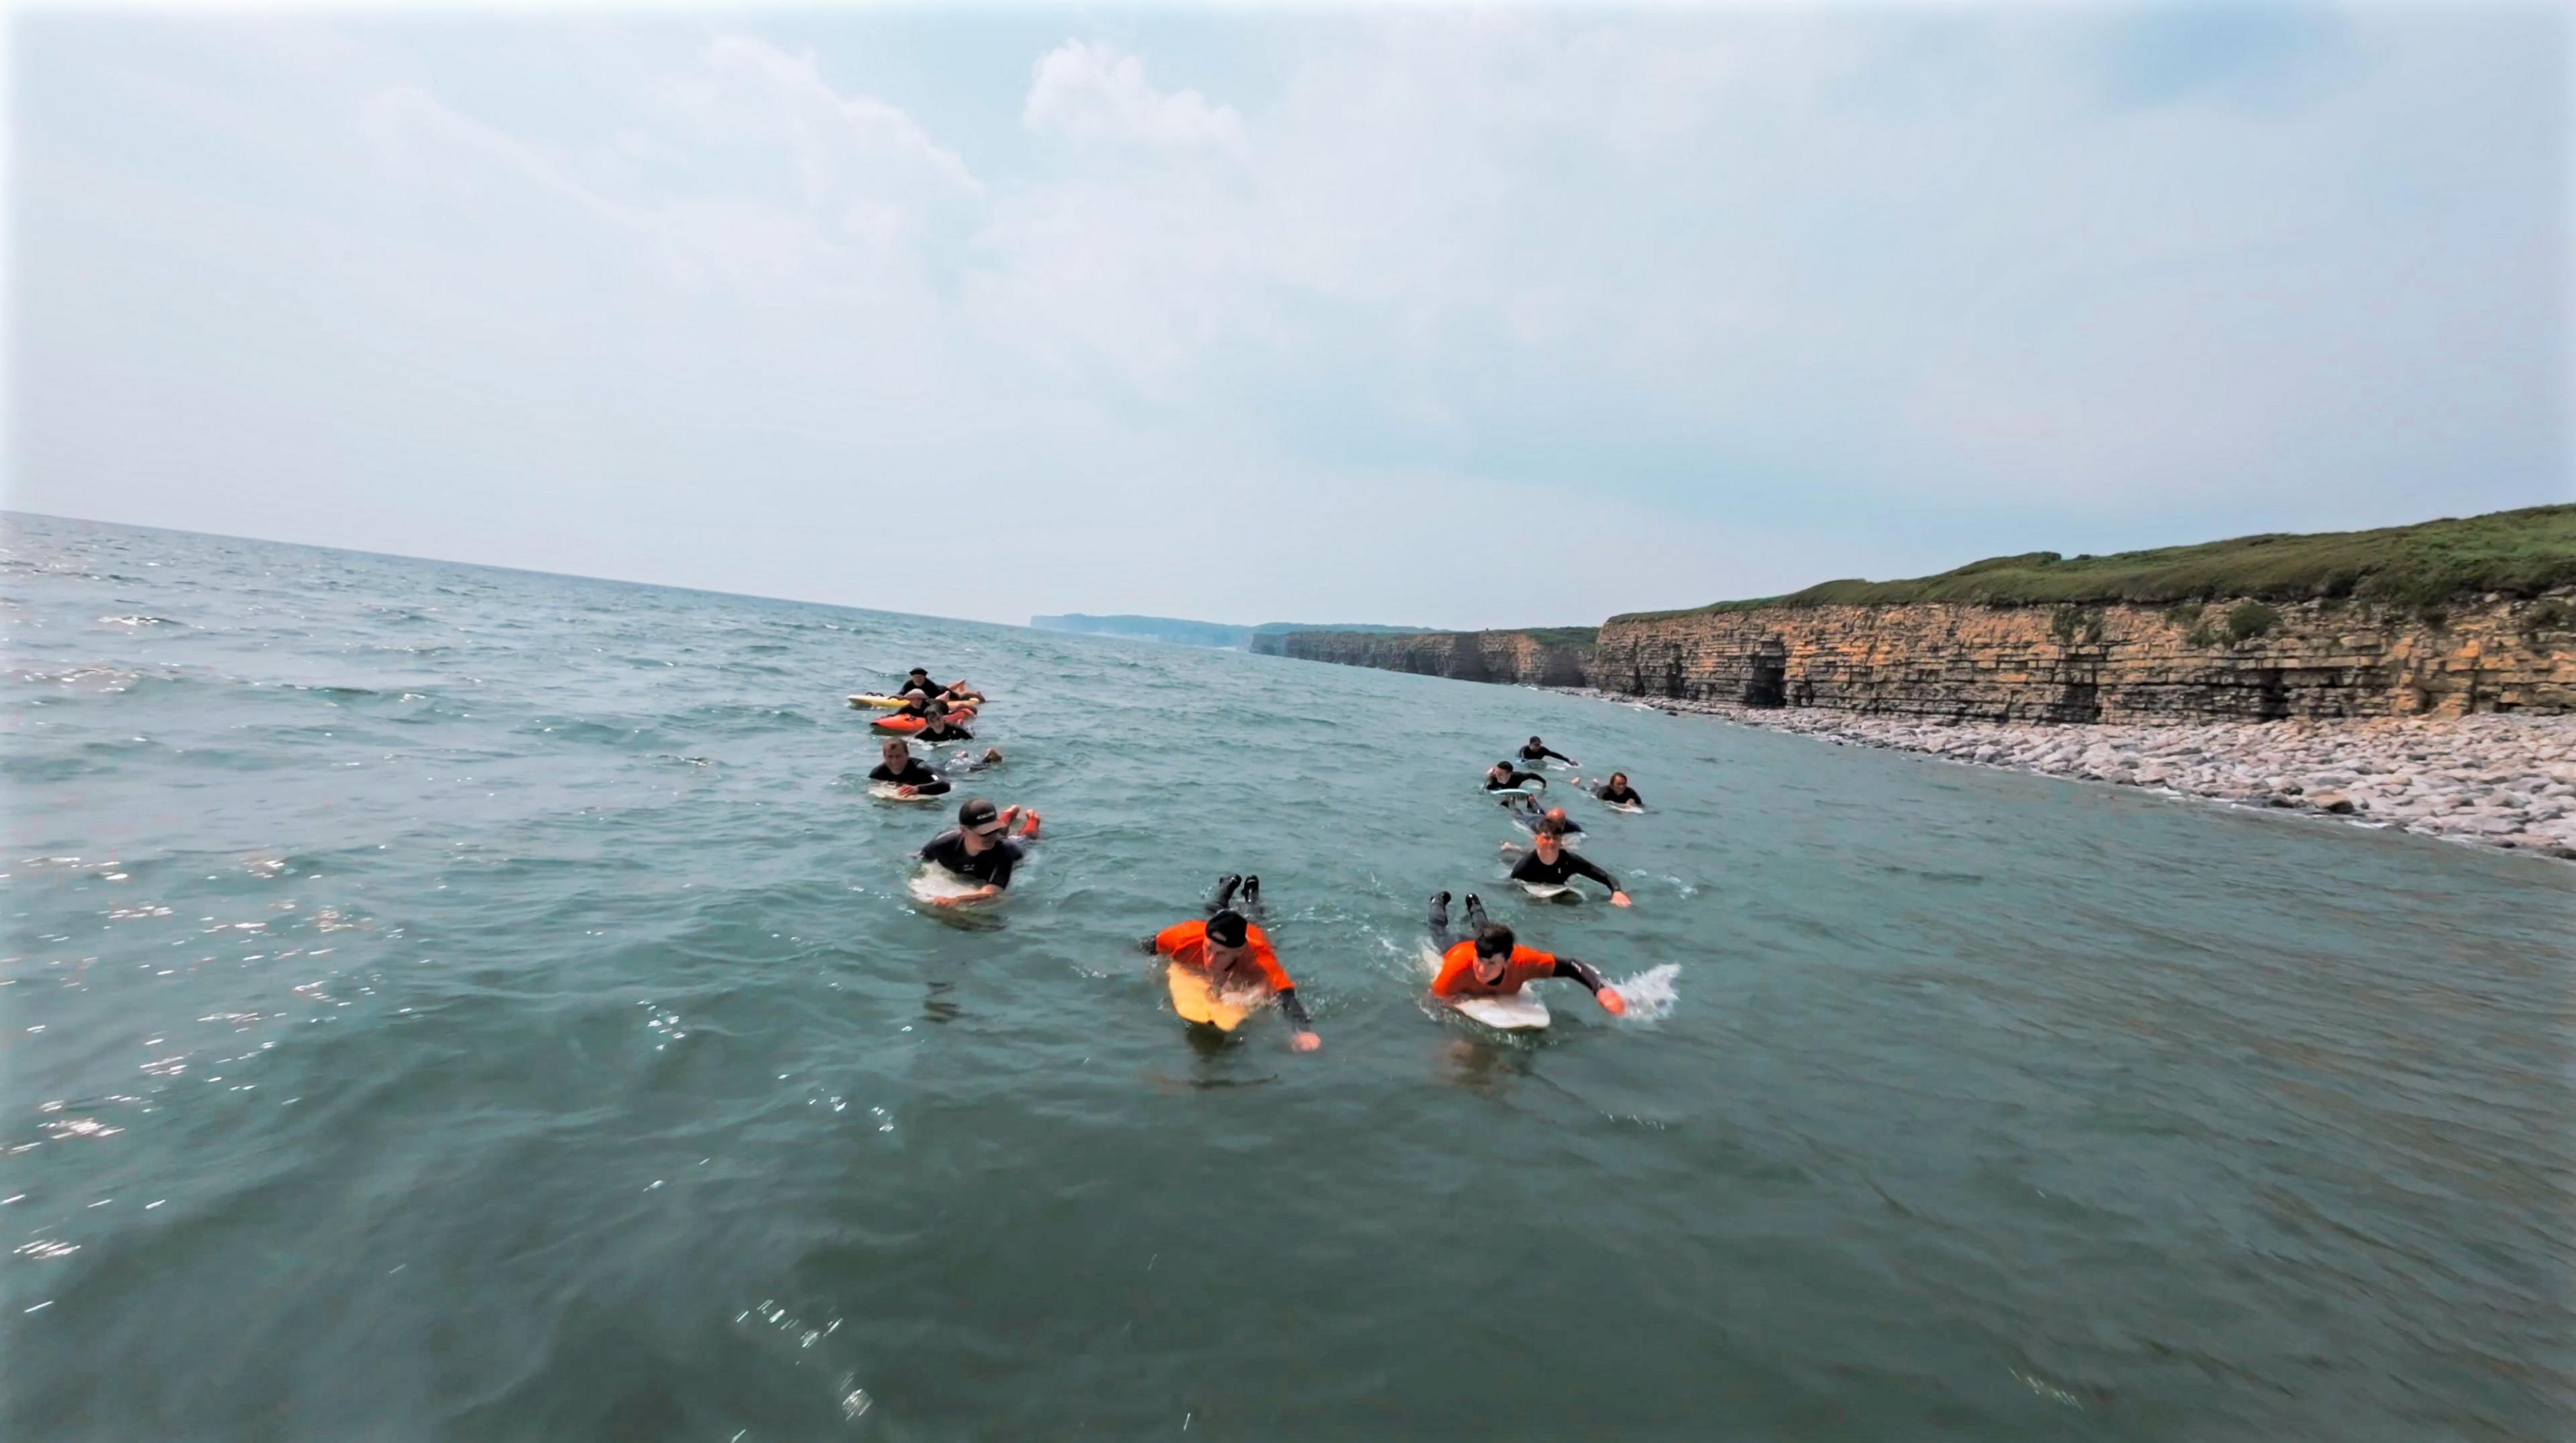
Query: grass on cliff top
[(2517, 552)]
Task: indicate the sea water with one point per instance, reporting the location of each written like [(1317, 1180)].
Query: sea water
[(445, 1002)]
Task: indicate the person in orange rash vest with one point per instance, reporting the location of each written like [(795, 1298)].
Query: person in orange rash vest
[(1490, 962), (1234, 953)]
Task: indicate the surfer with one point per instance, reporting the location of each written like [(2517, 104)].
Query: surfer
[(948, 727), (901, 767), (1535, 751), (1490, 962), (1617, 792), (1234, 954), (1549, 863), (1525, 812), (963, 760), (959, 693), (1503, 777), (979, 849)]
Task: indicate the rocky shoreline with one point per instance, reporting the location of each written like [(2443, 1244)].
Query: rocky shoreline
[(2489, 779)]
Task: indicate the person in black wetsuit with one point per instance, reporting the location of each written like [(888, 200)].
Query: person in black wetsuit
[(1502, 778), (1535, 751), (1549, 864), (1617, 792), (1525, 810), (910, 777), (945, 727), (979, 849)]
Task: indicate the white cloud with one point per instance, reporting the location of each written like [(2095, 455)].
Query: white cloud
[(832, 132), (1612, 276), (1092, 93)]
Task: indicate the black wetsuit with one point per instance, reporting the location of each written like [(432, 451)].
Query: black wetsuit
[(943, 731), (1527, 812), (1518, 778), (992, 867), (914, 775), (1442, 939), (1627, 798), (1553, 874), (1541, 754)]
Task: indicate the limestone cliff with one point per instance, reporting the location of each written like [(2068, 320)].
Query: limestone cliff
[(2242, 659), (1558, 656)]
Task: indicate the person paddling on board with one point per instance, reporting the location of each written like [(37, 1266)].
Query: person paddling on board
[(1549, 863), (1490, 962), (1502, 778), (1234, 954), (978, 848), (1525, 811), (946, 727), (1535, 751), (958, 693), (1617, 792), (901, 767)]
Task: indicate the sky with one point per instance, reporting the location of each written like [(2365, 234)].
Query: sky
[(1409, 315)]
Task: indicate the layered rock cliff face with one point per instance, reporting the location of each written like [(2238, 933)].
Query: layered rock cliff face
[(2218, 660), (1554, 658)]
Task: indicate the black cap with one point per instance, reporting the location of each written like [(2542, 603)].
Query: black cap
[(1227, 928), (977, 811), (1495, 940)]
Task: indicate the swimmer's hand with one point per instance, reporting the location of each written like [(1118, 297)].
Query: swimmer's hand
[(906, 790), (1618, 899), (1305, 1042), (1612, 1002)]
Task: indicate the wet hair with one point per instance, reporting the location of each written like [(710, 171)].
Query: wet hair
[(1536, 742), (1618, 776), (1495, 940), (1227, 928), (1502, 766), (1550, 828), (976, 812)]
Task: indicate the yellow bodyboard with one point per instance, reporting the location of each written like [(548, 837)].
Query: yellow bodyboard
[(1196, 1002), (863, 699)]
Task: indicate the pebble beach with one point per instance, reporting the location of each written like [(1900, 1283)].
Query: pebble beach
[(2505, 781)]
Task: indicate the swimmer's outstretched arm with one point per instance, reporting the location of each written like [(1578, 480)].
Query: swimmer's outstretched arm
[(1581, 867), (1590, 976)]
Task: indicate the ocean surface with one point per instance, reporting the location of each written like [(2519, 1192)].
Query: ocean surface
[(454, 1003)]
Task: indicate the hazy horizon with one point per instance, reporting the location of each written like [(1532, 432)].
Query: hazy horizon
[(1504, 318)]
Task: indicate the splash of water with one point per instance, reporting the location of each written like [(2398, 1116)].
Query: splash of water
[(1651, 993)]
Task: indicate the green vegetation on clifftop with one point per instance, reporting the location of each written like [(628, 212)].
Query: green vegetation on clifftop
[(2516, 552)]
